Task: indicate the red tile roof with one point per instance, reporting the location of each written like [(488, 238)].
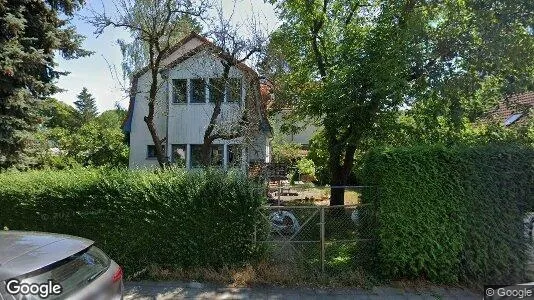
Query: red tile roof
[(515, 104)]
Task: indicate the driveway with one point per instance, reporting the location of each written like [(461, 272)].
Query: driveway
[(195, 290)]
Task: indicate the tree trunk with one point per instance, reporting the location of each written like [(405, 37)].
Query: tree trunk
[(208, 137), (149, 120), (206, 153), (340, 172)]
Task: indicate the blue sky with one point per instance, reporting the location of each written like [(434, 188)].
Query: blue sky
[(94, 72)]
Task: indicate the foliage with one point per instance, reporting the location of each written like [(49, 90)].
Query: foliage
[(318, 153), (306, 167), (32, 32), (99, 142), (86, 106), (135, 54), (57, 114), (354, 64), (451, 214), (169, 219)]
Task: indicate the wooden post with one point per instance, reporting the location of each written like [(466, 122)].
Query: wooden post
[(322, 239)]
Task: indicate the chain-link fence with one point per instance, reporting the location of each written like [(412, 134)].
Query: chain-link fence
[(305, 234)]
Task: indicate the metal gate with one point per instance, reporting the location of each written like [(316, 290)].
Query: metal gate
[(317, 239)]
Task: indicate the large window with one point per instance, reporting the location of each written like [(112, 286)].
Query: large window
[(234, 90), (216, 155), (179, 90), (216, 90), (151, 151), (234, 155), (198, 90), (179, 154)]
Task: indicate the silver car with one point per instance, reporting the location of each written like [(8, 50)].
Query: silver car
[(35, 265)]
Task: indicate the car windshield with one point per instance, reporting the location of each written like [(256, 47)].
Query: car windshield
[(74, 272)]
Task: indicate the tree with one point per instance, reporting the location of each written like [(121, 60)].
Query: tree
[(154, 24), (135, 54), (57, 114), (31, 33), (234, 49), (353, 64), (86, 106), (99, 142)]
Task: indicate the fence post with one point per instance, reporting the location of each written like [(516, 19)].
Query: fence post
[(279, 192), (322, 239)]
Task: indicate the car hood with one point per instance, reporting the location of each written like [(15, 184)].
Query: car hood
[(23, 252)]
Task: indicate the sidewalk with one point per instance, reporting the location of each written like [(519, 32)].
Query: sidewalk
[(194, 290)]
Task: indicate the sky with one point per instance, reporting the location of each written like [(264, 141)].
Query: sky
[(95, 72)]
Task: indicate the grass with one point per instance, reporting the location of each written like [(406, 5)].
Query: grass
[(264, 273)]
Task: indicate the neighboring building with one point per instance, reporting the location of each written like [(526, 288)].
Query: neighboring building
[(304, 130), (191, 78), (514, 110)]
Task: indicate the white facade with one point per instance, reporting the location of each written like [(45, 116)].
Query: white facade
[(183, 123)]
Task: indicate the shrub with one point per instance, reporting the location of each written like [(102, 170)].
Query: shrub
[(172, 219), (451, 214)]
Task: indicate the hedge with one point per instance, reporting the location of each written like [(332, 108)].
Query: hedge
[(451, 214), (174, 219)]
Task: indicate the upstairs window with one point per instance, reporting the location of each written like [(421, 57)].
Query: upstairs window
[(216, 90), (234, 90), (198, 90), (179, 91)]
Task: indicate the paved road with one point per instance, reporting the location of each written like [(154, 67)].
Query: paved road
[(195, 290)]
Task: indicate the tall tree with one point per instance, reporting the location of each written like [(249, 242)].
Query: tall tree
[(234, 49), (155, 24), (86, 106), (30, 34), (136, 54), (351, 64)]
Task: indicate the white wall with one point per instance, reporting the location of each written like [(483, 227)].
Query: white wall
[(303, 136), (184, 123)]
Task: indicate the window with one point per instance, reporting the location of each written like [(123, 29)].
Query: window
[(512, 119), (198, 91), (216, 155), (178, 154), (216, 90), (234, 90), (151, 151), (234, 155), (179, 91), (196, 156)]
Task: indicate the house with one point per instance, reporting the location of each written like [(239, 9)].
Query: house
[(301, 132), (191, 78), (514, 110)]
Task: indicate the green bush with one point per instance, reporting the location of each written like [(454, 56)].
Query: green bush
[(172, 219), (451, 214)]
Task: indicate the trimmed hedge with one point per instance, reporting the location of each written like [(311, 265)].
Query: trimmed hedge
[(451, 214), (173, 219)]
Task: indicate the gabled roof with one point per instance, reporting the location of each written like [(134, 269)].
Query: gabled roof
[(204, 44)]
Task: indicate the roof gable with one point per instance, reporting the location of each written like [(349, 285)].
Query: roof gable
[(187, 48)]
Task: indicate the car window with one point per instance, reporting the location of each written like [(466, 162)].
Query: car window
[(74, 272)]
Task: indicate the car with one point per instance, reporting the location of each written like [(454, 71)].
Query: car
[(37, 265)]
